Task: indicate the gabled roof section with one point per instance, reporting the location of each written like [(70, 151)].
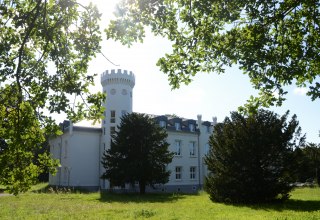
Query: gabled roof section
[(171, 120)]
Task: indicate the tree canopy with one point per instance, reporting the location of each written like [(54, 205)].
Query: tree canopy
[(275, 42), (139, 152), (250, 157), (45, 49)]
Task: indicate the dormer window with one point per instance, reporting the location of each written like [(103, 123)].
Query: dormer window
[(162, 124), (177, 126), (191, 127)]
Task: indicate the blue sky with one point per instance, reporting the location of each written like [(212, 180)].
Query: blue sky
[(208, 94)]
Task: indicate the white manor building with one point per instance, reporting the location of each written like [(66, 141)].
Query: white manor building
[(80, 148)]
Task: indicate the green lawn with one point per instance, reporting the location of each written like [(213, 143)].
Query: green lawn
[(304, 204)]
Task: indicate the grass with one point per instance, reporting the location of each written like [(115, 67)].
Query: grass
[(62, 204)]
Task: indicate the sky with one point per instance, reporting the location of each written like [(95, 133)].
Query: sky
[(209, 94)]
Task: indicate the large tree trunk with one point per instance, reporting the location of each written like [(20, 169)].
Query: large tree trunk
[(142, 186)]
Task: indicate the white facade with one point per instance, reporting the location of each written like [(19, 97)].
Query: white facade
[(79, 154), (80, 148)]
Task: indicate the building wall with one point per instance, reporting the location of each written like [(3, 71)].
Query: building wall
[(185, 161), (80, 150), (79, 156), (205, 132)]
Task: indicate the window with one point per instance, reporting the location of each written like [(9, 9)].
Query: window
[(191, 127), (177, 148), (104, 146), (192, 173), (177, 126), (113, 91), (124, 92), (104, 131), (112, 131), (178, 173), (162, 124), (208, 128), (112, 116), (192, 148)]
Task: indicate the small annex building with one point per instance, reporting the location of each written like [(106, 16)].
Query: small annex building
[(81, 146)]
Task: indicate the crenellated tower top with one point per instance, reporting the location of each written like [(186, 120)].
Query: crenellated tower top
[(118, 77)]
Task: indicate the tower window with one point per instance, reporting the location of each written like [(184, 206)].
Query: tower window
[(124, 92), (112, 116), (113, 91)]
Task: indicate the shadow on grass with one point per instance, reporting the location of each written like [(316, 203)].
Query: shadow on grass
[(110, 197), (291, 204), (138, 198), (61, 189)]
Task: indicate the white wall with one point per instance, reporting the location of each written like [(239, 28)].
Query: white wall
[(79, 158), (185, 160), (203, 141)]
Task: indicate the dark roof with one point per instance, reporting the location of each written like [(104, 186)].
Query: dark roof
[(170, 121)]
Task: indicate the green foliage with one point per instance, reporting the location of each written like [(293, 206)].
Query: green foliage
[(35, 35), (139, 152), (308, 163), (275, 42), (250, 157)]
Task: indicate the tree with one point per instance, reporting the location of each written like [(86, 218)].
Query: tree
[(35, 35), (308, 163), (250, 157), (139, 152), (275, 42)]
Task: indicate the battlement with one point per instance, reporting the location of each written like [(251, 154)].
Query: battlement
[(118, 77)]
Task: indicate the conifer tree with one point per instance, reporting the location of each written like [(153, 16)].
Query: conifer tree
[(139, 152), (250, 157)]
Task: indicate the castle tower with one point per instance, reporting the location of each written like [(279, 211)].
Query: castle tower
[(118, 87)]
